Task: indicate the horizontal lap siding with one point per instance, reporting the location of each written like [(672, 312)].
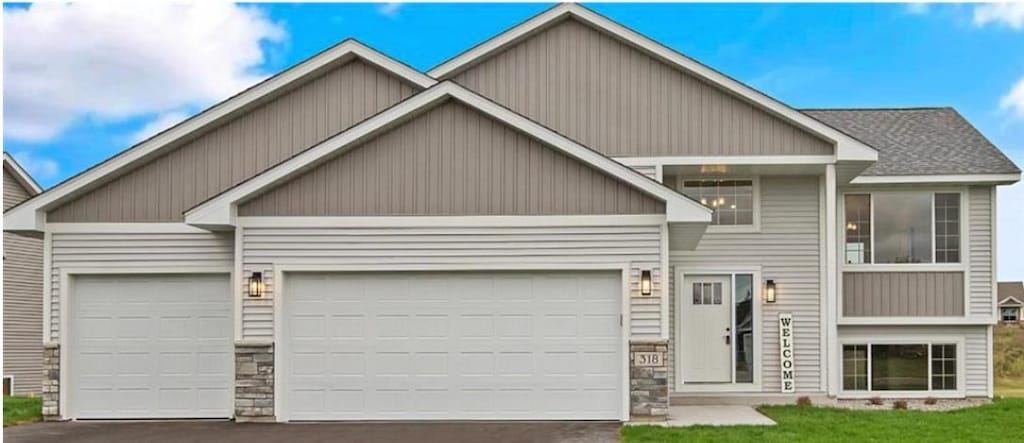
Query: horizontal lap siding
[(452, 160), (976, 346), (165, 187), (903, 294), (612, 97), (981, 266), (115, 251), (638, 247), (23, 311), (788, 251)]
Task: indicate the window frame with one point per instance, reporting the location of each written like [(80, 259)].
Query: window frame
[(1015, 309), (964, 232), (929, 341), (755, 225)]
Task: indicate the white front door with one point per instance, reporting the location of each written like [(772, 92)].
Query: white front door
[(705, 336), (452, 346)]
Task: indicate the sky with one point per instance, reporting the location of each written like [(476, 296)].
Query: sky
[(85, 81)]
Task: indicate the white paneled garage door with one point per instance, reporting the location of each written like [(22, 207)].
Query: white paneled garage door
[(150, 346), (459, 345)]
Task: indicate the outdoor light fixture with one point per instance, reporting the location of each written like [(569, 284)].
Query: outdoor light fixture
[(256, 284), (769, 291), (645, 283)]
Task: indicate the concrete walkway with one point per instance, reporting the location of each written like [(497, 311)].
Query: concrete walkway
[(683, 416)]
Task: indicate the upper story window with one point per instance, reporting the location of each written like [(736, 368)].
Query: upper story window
[(903, 227), (731, 199)]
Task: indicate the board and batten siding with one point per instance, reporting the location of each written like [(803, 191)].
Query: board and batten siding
[(903, 294), (787, 250), (452, 160), (22, 298), (389, 248), (976, 345), (622, 102), (124, 251), (981, 266), (162, 189)]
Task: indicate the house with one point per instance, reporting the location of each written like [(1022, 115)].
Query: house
[(1011, 301), (22, 292), (566, 221)]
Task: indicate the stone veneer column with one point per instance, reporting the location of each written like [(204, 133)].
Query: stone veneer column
[(648, 380), (254, 382), (51, 382)]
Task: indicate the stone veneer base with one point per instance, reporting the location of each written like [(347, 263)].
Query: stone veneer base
[(51, 382), (648, 386), (254, 382)]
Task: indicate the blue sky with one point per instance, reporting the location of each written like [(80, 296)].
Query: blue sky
[(872, 55)]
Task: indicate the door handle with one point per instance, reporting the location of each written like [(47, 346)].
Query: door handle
[(728, 336)]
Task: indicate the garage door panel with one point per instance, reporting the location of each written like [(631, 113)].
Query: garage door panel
[(499, 345), (162, 350)]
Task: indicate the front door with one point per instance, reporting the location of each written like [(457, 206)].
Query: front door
[(705, 334)]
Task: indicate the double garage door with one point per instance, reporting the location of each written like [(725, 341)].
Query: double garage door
[(359, 346)]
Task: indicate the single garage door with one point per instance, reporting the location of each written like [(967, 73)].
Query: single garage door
[(151, 346), (453, 346)]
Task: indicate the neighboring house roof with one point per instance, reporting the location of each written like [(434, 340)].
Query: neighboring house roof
[(847, 147), (25, 217), (1011, 293), (920, 141), (22, 176), (220, 210)]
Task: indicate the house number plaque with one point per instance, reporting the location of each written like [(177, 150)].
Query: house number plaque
[(648, 359)]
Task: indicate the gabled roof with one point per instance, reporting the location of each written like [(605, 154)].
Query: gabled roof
[(219, 211), (921, 142), (1011, 292), (847, 148), (29, 214), (24, 179)]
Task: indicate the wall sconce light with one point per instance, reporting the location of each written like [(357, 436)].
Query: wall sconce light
[(769, 291), (256, 285), (645, 283)]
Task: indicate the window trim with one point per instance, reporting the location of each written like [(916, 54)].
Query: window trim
[(1016, 310), (929, 341), (754, 227), (961, 265)]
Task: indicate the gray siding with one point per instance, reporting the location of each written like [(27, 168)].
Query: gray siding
[(786, 250), (162, 189), (977, 342), (22, 299), (981, 266), (903, 294), (124, 251), (452, 160), (637, 247), (620, 101)]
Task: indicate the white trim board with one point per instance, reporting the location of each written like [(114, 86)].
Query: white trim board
[(22, 176), (1002, 179), (847, 148), (1018, 302), (754, 160), (479, 221), (220, 211), (30, 215)]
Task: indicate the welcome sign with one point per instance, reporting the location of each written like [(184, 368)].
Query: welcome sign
[(786, 353)]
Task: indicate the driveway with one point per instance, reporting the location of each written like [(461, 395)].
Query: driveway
[(230, 432)]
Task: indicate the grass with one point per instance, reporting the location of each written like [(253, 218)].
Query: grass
[(988, 423), (19, 410), (1008, 360)]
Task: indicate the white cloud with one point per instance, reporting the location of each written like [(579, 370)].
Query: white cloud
[(389, 9), (161, 122), (40, 168), (918, 8), (1013, 101), (110, 61), (1006, 14)]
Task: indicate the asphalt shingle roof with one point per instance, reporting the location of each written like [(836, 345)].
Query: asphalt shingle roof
[(919, 141), (1009, 289)]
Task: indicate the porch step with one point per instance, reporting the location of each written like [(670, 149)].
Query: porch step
[(700, 399)]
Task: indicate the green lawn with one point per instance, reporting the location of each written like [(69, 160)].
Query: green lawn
[(22, 410), (1001, 421)]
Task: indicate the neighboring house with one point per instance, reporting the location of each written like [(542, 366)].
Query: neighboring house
[(1011, 301), (22, 292), (567, 221)]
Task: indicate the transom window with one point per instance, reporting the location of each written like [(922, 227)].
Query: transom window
[(731, 199), (900, 367), (903, 227)]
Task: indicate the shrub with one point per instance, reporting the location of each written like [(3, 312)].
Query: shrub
[(803, 401), (899, 404), (931, 401), (876, 401)]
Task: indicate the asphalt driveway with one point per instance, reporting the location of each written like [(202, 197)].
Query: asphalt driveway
[(230, 432)]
